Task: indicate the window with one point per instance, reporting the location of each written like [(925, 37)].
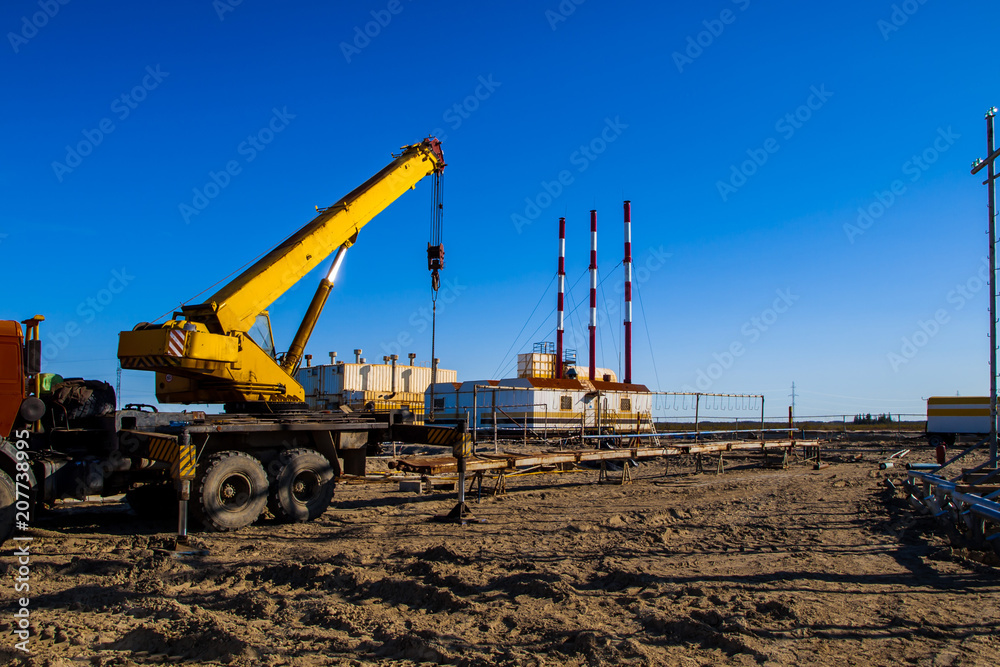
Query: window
[(626, 405), (439, 404), (260, 333), (565, 402)]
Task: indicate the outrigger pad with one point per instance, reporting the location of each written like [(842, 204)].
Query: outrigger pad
[(182, 547), (460, 514)]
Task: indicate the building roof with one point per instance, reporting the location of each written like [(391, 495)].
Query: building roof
[(583, 385), (600, 385), (564, 384)]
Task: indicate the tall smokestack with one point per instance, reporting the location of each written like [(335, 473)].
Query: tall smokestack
[(628, 292), (593, 295), (559, 298)]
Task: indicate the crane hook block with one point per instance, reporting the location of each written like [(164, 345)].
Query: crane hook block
[(435, 262), (435, 257)]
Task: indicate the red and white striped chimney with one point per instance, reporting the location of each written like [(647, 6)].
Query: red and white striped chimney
[(593, 295), (559, 298), (628, 292)]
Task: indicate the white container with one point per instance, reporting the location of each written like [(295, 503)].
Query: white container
[(957, 415), (329, 386)]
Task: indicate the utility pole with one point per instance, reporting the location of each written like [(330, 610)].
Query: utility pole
[(793, 395), (990, 163)]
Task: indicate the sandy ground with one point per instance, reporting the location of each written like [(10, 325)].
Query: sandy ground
[(755, 566)]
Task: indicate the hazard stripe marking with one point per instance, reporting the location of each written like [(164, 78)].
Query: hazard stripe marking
[(149, 362), (185, 466), (162, 450), (175, 344)]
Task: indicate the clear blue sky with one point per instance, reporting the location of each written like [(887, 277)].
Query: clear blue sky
[(832, 100)]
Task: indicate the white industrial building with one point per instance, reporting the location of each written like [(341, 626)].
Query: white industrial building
[(551, 393), (538, 401), (361, 385)]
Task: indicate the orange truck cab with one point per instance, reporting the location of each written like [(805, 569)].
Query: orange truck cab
[(11, 374)]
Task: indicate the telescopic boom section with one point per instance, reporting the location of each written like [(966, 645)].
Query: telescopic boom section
[(208, 355), (236, 306), (293, 358)]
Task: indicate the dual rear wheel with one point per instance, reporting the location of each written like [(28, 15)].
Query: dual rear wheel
[(234, 489), (303, 487)]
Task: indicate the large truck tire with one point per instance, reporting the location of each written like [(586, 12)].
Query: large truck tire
[(303, 487), (84, 398), (8, 494), (231, 491)]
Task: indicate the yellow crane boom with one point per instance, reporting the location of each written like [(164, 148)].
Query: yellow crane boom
[(206, 353)]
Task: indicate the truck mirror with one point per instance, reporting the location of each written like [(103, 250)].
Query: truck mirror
[(32, 357)]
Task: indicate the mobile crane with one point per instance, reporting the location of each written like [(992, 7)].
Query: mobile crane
[(222, 351), (266, 449)]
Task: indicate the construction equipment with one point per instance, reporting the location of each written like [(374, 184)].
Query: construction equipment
[(222, 351), (65, 439), (59, 438)]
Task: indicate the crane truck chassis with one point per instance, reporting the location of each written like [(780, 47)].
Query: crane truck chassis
[(267, 450)]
